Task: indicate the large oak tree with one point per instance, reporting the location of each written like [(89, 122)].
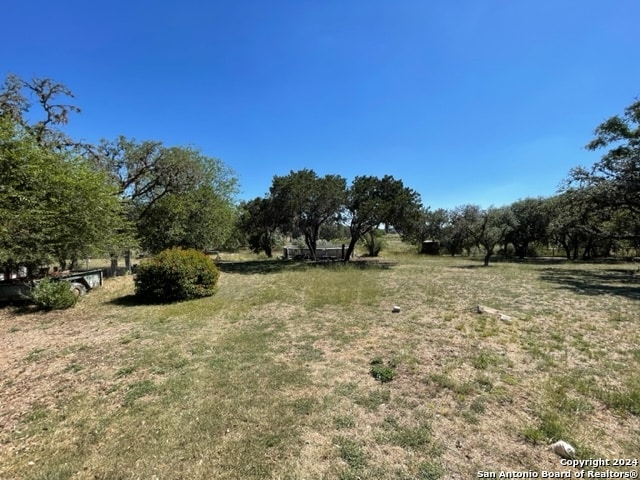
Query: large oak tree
[(373, 201), (303, 202)]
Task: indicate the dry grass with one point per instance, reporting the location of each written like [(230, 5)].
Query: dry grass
[(270, 378)]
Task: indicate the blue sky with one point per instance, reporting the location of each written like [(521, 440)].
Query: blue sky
[(467, 101)]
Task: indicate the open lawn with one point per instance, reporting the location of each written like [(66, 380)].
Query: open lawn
[(270, 378)]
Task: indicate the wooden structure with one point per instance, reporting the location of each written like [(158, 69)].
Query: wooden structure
[(430, 247), (331, 252)]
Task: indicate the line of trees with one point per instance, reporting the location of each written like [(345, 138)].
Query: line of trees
[(62, 200), (596, 213)]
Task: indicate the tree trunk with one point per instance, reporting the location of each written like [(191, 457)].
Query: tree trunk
[(114, 265), (576, 247), (127, 259), (486, 257), (311, 245), (350, 248)]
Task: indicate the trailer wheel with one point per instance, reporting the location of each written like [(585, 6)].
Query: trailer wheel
[(78, 289)]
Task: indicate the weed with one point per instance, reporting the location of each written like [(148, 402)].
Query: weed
[(344, 421), (484, 383), (138, 390), (381, 372), (533, 435), (625, 399), (470, 417), (478, 405), (409, 436), (73, 367), (305, 406), (429, 471), (374, 399), (135, 335), (351, 452), (618, 316), (460, 389), (124, 371), (485, 359), (35, 355)]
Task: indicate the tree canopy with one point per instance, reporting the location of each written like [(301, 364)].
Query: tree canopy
[(303, 202), (53, 205), (373, 201), (62, 199)]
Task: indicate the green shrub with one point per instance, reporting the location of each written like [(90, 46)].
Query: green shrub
[(53, 295), (175, 275), (373, 242)]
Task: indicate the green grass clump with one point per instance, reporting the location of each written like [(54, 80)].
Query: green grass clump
[(351, 452), (381, 372)]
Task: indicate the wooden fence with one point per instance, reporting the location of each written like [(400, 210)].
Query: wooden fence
[(293, 252)]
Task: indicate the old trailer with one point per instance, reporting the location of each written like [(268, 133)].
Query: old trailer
[(80, 282)]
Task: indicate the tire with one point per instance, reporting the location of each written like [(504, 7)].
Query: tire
[(78, 289)]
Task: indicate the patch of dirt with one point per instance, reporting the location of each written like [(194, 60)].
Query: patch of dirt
[(43, 356)]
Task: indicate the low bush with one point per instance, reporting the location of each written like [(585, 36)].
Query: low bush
[(53, 295), (176, 275)]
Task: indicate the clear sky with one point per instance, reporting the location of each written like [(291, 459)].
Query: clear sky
[(467, 101)]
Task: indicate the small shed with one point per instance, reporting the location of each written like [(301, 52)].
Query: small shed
[(430, 247)]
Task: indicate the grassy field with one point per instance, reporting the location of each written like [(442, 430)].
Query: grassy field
[(271, 377)]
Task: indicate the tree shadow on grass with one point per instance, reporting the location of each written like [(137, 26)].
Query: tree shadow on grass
[(130, 300), (611, 281), (498, 259), (471, 267), (22, 307), (252, 267)]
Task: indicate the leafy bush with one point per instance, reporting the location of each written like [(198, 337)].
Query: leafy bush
[(53, 295), (175, 275), (373, 242)]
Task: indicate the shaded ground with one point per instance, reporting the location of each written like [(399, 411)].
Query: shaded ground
[(624, 282)]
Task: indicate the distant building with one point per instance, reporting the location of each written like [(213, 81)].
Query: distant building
[(430, 247)]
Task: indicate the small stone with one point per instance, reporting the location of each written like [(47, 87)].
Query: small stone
[(563, 449), (395, 309), (505, 318)]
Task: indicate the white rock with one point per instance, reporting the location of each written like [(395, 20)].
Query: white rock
[(395, 309), (505, 318), (563, 449)]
